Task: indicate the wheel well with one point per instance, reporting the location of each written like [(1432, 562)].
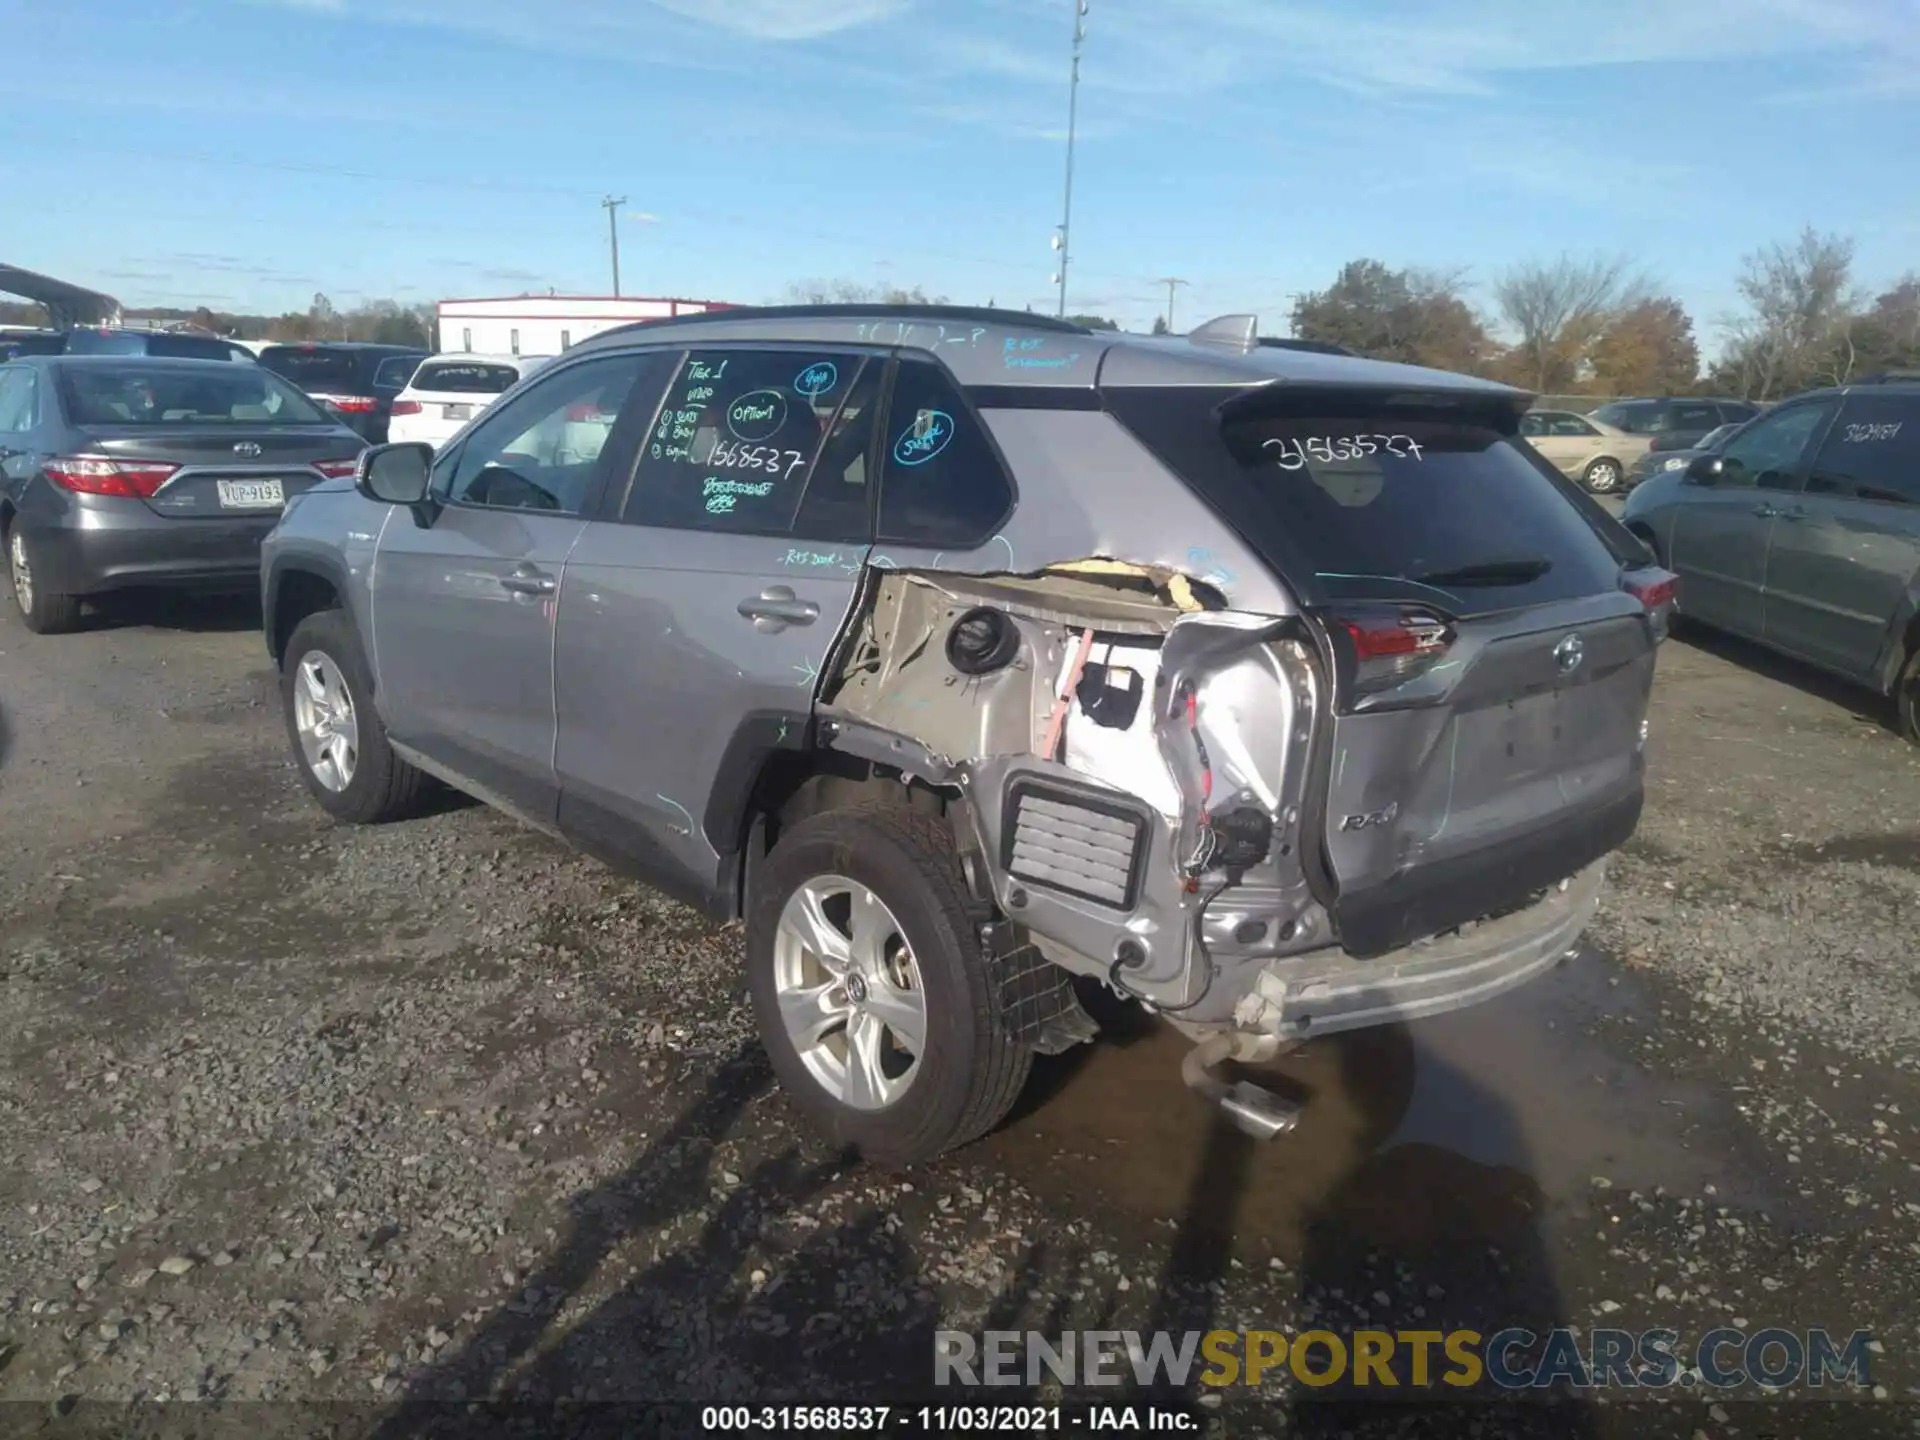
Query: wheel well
[(298, 594), (794, 785)]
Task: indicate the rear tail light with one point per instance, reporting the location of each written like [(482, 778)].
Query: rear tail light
[(334, 469), (1389, 647), (1654, 588), (98, 475), (351, 404), (406, 407)]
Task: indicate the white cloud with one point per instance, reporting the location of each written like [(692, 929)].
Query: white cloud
[(785, 19)]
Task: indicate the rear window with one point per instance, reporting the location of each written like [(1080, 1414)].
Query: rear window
[(135, 394), (311, 369), (465, 378), (189, 347), (1349, 498)]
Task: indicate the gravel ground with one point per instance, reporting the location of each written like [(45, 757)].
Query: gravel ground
[(440, 1111)]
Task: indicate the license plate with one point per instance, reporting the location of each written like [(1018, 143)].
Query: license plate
[(457, 412), (251, 494)]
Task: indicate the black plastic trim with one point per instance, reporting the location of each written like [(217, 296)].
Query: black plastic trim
[(1438, 895), (1033, 397)]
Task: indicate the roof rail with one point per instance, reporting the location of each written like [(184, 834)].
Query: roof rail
[(969, 314), (1239, 333), (1888, 377)]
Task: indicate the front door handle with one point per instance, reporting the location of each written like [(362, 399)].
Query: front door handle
[(528, 580), (777, 607)]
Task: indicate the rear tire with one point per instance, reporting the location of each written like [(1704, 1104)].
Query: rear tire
[(968, 1071), (43, 611), (339, 742), (1906, 698), (1603, 477)]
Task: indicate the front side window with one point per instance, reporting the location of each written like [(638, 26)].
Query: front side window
[(941, 481), (131, 393), (1767, 454), (761, 442), (1872, 452), (542, 450)]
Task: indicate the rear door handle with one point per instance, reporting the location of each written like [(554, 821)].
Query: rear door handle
[(777, 607), (528, 580)]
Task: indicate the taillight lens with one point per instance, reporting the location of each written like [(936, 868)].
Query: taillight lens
[(1390, 646), (98, 475), (353, 404), (406, 407), (1654, 588), (334, 469)]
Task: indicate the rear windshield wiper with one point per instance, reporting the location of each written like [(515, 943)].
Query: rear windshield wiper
[(1517, 570)]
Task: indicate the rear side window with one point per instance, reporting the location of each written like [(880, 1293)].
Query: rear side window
[(1636, 417), (734, 448), (1872, 452), (941, 483), (393, 374), (1695, 417), (311, 369), (1349, 498), (465, 378)]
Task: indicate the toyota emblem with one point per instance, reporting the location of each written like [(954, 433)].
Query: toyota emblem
[(246, 448), (1569, 653)]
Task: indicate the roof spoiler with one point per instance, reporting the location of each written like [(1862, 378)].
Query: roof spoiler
[(1238, 333)]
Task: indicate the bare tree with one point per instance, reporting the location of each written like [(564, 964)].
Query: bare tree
[(852, 292), (1559, 308), (1801, 307)]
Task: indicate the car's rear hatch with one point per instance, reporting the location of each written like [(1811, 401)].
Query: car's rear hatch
[(225, 471), (1491, 662), (451, 392)]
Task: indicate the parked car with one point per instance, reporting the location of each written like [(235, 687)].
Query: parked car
[(449, 390), (1656, 462), (119, 472), (1802, 532), (108, 340), (357, 382), (1674, 423), (1588, 450), (171, 344), (843, 632)]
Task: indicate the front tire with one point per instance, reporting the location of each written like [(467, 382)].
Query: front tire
[(873, 997), (1603, 477), (43, 611), (339, 742)]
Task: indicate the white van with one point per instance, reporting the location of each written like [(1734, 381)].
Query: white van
[(449, 390)]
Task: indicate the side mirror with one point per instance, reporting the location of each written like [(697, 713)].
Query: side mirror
[(395, 474), (1705, 470)]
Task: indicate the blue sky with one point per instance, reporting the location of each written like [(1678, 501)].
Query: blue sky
[(247, 153)]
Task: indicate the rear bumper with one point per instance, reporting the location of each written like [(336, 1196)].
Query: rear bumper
[(1435, 896), (120, 544), (1330, 990)]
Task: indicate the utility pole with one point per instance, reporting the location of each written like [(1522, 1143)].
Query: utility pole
[(1172, 282), (1073, 115), (612, 207)]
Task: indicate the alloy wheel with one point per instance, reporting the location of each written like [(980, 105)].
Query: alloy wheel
[(22, 571), (323, 714), (849, 992)]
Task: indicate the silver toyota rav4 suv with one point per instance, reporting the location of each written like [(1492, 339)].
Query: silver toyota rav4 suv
[(964, 653)]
